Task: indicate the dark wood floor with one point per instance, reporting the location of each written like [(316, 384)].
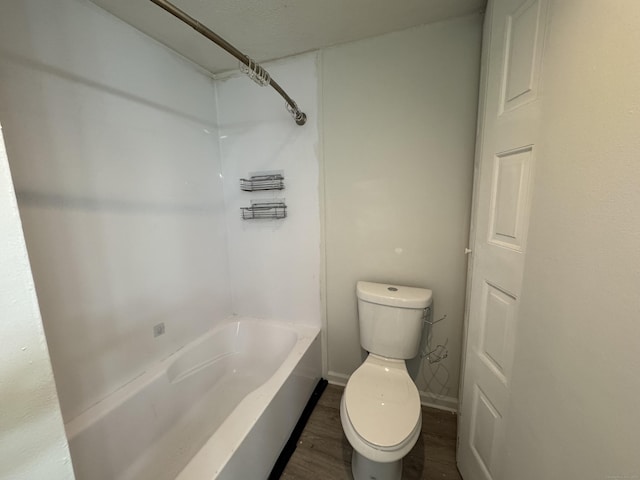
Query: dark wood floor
[(323, 451)]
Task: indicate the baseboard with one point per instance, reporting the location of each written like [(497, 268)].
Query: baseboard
[(442, 402), (339, 379)]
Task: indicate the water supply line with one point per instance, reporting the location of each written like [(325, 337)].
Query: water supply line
[(247, 65)]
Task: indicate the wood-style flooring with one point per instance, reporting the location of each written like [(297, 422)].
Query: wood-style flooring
[(323, 451)]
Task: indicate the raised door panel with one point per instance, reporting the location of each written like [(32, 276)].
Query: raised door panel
[(509, 198), (522, 56), (497, 331)]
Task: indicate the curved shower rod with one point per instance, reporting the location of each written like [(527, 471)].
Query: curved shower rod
[(249, 66)]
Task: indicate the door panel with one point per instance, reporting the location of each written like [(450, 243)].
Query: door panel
[(522, 55), (496, 340), (505, 169), (509, 196)]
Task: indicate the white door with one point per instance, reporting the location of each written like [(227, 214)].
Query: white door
[(512, 50)]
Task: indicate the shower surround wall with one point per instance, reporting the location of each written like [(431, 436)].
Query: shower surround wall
[(275, 264), (113, 148)]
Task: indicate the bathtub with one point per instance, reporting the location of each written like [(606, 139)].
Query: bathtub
[(220, 408)]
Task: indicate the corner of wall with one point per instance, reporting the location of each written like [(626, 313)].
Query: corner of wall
[(33, 441), (322, 197)]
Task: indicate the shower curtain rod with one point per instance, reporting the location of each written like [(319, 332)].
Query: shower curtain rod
[(249, 66)]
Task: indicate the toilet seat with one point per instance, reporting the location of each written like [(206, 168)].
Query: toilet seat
[(382, 404)]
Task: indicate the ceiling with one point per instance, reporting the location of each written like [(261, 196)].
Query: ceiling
[(269, 29)]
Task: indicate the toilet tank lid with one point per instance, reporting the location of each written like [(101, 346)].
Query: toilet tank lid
[(393, 295)]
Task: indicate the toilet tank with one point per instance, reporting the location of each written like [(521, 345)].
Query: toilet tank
[(391, 318)]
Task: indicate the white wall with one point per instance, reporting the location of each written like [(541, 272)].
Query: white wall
[(32, 439), (113, 146), (275, 264), (574, 408), (399, 129)]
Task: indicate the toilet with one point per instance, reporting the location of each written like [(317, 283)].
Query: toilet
[(380, 407)]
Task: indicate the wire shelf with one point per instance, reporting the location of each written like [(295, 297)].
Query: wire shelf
[(262, 182), (260, 210)]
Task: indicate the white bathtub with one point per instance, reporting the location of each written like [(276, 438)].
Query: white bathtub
[(221, 408)]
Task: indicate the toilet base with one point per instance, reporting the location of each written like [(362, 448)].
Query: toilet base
[(364, 469)]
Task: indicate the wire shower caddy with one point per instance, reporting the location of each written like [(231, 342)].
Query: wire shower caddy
[(263, 210), (262, 182)]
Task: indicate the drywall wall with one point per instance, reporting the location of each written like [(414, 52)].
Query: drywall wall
[(274, 264), (574, 407), (32, 440), (113, 147), (399, 129)]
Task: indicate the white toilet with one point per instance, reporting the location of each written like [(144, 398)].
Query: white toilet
[(380, 407)]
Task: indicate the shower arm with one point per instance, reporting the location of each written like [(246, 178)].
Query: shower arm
[(256, 72)]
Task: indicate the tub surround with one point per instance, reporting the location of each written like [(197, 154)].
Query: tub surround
[(117, 174), (274, 265)]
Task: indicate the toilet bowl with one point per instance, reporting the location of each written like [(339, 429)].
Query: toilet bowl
[(381, 417), (380, 408)]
